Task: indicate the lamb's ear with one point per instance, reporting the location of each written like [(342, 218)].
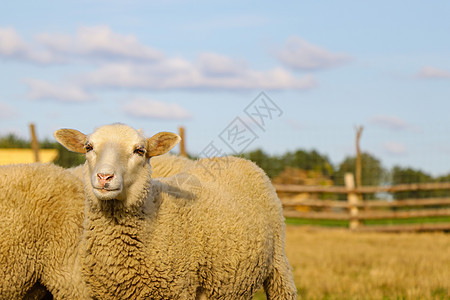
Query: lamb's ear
[(72, 139), (161, 143)]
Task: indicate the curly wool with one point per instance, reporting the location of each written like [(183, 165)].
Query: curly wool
[(168, 165), (41, 216)]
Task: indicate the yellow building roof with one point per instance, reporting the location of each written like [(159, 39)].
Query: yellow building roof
[(19, 156)]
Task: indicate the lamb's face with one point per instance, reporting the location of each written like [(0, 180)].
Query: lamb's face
[(117, 156)]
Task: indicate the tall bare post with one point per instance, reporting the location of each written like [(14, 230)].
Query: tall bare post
[(34, 143), (353, 200), (358, 168), (182, 143)]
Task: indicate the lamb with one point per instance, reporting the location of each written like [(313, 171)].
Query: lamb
[(151, 238), (41, 216)]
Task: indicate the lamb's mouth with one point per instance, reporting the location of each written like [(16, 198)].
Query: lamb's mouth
[(106, 193), (103, 190)]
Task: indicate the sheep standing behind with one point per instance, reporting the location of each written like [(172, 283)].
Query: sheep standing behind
[(41, 216), (153, 239)]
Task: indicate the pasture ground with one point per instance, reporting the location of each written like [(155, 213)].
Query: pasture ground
[(339, 264)]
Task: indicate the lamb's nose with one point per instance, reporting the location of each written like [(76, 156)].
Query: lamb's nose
[(104, 178)]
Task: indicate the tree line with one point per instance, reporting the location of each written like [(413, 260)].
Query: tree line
[(373, 172)]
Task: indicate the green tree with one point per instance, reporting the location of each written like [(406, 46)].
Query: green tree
[(12, 141), (372, 172), (401, 175), (442, 193), (67, 158), (270, 164), (308, 161), (274, 165)]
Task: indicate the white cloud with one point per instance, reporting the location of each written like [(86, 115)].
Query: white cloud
[(298, 54), (433, 73), (6, 111), (390, 122), (123, 62), (218, 65), (89, 43), (146, 108), (40, 89), (98, 42), (14, 47), (395, 148), (11, 43), (181, 74)]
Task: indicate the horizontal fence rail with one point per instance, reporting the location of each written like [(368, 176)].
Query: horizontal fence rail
[(293, 188), (287, 202), (356, 212)]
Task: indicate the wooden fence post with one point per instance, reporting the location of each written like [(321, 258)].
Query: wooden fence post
[(182, 143), (358, 167), (353, 200), (34, 143)]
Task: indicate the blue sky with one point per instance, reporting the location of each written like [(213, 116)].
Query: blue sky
[(328, 66)]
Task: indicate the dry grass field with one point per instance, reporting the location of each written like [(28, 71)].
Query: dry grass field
[(338, 264)]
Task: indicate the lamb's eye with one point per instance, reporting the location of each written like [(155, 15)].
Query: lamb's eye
[(88, 147), (139, 151)]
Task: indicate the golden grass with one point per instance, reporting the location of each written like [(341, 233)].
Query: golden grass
[(338, 264)]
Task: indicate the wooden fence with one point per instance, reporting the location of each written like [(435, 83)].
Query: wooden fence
[(356, 211)]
